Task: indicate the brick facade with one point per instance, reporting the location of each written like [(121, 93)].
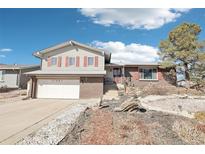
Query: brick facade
[(160, 74), (133, 76), (132, 72), (91, 87)]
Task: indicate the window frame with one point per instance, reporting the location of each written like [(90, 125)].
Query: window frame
[(118, 72), (92, 61), (148, 68), (53, 59), (71, 61)]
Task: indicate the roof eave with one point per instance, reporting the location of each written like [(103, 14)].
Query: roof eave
[(71, 43)]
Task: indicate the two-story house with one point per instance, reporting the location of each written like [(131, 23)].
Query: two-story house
[(70, 70)]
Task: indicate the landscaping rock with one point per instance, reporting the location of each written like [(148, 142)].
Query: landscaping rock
[(128, 105), (53, 132), (175, 104)]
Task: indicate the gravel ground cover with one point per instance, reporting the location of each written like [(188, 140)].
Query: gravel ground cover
[(174, 104), (53, 132)]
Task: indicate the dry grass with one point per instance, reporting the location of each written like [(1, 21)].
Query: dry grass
[(125, 127), (190, 131), (200, 116), (201, 128), (166, 89), (124, 136)]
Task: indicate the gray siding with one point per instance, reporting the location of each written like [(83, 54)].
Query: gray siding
[(10, 79), (16, 78)]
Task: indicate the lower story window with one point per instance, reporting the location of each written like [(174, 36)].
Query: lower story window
[(117, 72), (148, 73)]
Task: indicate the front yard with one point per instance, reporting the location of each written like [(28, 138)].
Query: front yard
[(169, 117), (103, 126), (13, 95), (150, 126)]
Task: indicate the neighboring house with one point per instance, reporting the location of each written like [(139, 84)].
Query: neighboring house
[(72, 70), (11, 76), (180, 76)]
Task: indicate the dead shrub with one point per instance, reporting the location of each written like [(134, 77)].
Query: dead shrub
[(125, 127), (123, 135), (167, 89), (201, 128), (154, 90), (200, 116)]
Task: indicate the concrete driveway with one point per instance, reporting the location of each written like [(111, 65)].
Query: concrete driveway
[(23, 117)]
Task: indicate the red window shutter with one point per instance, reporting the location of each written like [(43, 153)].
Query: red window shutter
[(85, 61), (59, 61), (96, 61), (48, 62), (77, 61), (66, 61)]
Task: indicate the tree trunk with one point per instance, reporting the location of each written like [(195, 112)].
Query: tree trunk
[(187, 77)]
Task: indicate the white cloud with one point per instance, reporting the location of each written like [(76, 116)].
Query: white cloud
[(130, 53), (181, 9), (6, 50), (138, 18), (2, 56)]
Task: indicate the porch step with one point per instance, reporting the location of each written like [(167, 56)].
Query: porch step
[(110, 92), (110, 87), (108, 83)]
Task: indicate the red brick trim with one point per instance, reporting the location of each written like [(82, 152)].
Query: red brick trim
[(159, 74)]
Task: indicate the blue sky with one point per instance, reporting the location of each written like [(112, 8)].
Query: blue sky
[(132, 35)]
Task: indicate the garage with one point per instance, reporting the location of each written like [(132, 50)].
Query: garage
[(58, 88)]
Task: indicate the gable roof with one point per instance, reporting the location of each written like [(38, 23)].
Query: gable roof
[(40, 53)]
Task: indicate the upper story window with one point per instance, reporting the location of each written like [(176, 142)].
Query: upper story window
[(90, 61), (148, 73), (53, 61), (71, 61)]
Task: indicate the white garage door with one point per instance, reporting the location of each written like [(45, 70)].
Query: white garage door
[(66, 89)]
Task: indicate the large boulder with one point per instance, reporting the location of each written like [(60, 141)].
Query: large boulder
[(128, 105)]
